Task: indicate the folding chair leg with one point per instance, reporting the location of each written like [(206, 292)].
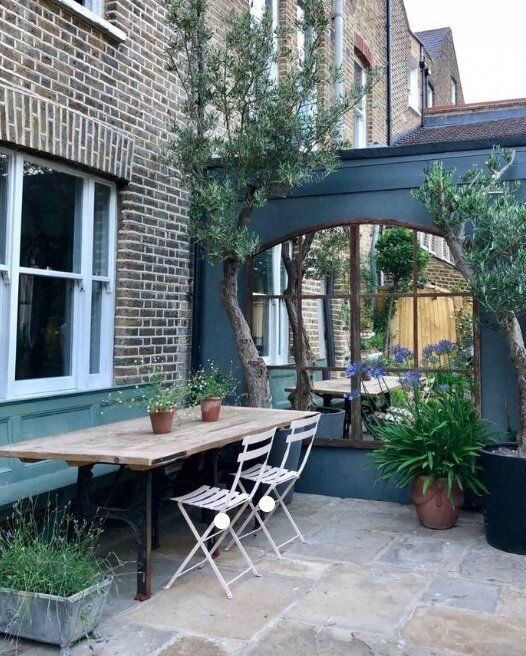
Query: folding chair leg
[(244, 553), (201, 544), (279, 499)]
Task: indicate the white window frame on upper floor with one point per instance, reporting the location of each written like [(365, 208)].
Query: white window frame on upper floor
[(92, 13), (82, 280), (360, 109), (257, 9), (430, 95), (413, 89), (453, 91)]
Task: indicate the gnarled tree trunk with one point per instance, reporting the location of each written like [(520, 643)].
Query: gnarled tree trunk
[(256, 372), (517, 348)]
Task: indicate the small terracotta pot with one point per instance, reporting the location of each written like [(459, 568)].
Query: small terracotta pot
[(210, 408), (162, 421), (434, 509)]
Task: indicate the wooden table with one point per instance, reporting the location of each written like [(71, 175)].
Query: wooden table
[(132, 445), (340, 387)]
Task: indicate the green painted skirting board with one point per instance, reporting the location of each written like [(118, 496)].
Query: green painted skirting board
[(28, 419)]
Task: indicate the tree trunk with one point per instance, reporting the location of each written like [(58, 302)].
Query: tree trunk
[(303, 396), (387, 338), (255, 369), (517, 348)]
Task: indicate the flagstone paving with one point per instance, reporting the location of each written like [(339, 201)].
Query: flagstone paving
[(369, 582)]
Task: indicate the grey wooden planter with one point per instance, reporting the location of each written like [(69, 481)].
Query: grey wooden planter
[(55, 620)]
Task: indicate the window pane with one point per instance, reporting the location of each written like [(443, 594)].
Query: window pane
[(51, 206), (45, 310), (4, 163), (101, 222), (95, 329)]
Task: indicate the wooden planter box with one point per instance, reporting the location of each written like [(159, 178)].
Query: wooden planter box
[(55, 620)]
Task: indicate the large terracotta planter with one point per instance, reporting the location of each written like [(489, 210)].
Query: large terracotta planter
[(162, 421), (434, 509), (210, 408)]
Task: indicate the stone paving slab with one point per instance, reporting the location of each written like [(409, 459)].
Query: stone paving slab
[(424, 553), (486, 563), (476, 634), (463, 593), (358, 598)]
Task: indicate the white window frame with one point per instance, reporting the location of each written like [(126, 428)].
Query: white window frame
[(360, 109), (80, 378), (96, 6), (430, 95), (257, 9), (413, 90)]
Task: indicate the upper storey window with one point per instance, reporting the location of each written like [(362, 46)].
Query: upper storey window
[(258, 9), (360, 109), (412, 86), (96, 6), (430, 95)]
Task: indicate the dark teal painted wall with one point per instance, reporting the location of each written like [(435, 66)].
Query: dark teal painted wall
[(24, 420), (376, 188)]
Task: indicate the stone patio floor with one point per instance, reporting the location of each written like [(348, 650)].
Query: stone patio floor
[(370, 582)]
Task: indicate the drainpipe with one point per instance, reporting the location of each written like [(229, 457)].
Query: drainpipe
[(339, 88), (388, 71), (425, 72)]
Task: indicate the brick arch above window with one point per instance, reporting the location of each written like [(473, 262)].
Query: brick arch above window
[(363, 50), (42, 126)]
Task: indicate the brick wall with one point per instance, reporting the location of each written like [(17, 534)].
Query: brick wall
[(442, 69), (69, 70)]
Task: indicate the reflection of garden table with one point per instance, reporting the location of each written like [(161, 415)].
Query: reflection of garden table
[(339, 387), (131, 444)]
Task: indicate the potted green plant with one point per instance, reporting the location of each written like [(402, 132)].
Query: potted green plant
[(208, 387), (483, 221), (432, 444), (53, 587), (159, 398)]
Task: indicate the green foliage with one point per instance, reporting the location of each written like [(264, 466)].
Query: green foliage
[(210, 383), (438, 438), (156, 396), (266, 136), (483, 214), (55, 556), (394, 256)]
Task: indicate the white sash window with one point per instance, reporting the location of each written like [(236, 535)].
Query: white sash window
[(57, 243)]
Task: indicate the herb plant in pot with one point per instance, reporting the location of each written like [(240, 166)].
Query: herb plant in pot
[(208, 387), (434, 447), (159, 398), (53, 588)]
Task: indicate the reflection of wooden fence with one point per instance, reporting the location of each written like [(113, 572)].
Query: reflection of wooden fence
[(436, 321)]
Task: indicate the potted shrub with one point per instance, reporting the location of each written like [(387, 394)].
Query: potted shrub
[(53, 587), (208, 387), (484, 222), (158, 398), (433, 445)]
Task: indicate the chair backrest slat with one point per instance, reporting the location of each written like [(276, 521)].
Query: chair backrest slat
[(300, 430)]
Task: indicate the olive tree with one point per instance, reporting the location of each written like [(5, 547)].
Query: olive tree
[(247, 134), (484, 224)]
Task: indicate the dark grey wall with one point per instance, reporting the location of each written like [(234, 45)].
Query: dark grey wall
[(375, 188)]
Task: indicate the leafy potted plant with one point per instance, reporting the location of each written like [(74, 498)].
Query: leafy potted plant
[(433, 445), (53, 587), (483, 222), (208, 387), (159, 398)]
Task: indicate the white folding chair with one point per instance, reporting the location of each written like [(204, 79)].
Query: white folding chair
[(272, 477), (221, 502)]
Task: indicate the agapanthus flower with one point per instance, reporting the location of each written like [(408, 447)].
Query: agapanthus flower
[(411, 379), (428, 353), (401, 353), (443, 388), (356, 369), (377, 370), (444, 347)]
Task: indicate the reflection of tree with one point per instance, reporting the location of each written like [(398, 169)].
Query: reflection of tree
[(394, 256)]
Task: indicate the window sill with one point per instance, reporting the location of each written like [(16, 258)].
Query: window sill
[(89, 17), (415, 110)]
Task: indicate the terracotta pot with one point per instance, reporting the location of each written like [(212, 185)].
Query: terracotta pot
[(434, 509), (210, 408), (162, 421)]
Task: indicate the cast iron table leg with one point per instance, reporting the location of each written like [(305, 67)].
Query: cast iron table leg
[(144, 536), (85, 508)]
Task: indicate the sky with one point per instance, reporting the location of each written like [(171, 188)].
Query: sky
[(490, 42)]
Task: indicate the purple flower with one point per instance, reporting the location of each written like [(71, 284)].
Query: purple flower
[(412, 379), (444, 347), (356, 369), (443, 388), (401, 353), (428, 353), (377, 371)]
